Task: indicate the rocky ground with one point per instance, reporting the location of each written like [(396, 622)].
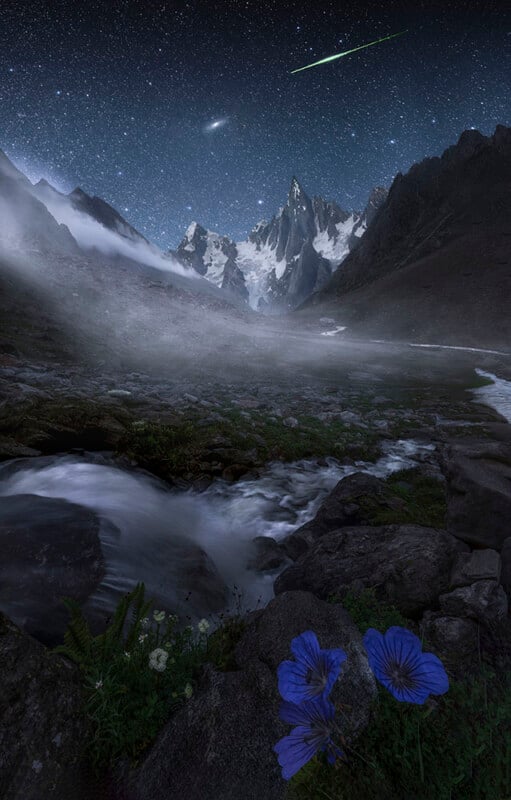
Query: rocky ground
[(434, 542)]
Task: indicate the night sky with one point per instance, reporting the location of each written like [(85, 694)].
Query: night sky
[(121, 99)]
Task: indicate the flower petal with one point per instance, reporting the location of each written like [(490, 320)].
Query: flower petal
[(306, 648), (318, 711), (295, 750), (293, 685)]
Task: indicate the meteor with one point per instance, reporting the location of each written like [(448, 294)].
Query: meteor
[(340, 55)]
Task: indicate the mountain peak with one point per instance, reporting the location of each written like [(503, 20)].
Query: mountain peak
[(295, 190), (8, 168)]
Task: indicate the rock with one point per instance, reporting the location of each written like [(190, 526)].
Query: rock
[(50, 549), (408, 565), (234, 472), (505, 576), (231, 725), (350, 417), (269, 633), (484, 601), (196, 569), (119, 393), (266, 555), (454, 640), (192, 398), (479, 491), (290, 422), (353, 501), (479, 565), (43, 731)]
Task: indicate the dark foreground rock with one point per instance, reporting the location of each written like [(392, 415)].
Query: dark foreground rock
[(50, 550), (352, 502), (479, 492), (220, 744), (42, 731), (408, 565)]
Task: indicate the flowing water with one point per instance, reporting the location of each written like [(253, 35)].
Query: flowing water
[(157, 530)]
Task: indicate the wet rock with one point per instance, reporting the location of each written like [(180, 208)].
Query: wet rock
[(479, 565), (479, 492), (484, 601), (50, 550), (353, 501), (409, 565), (198, 570), (43, 732), (266, 555)]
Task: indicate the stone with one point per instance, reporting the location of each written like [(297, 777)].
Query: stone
[(505, 576), (50, 549), (220, 744), (453, 639), (266, 554), (484, 601), (479, 565), (351, 502), (290, 422), (478, 477), (408, 565), (43, 732)]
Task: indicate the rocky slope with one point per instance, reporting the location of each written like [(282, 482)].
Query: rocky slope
[(435, 263), (285, 260)]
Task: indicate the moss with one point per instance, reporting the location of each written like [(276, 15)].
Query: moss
[(191, 444), (367, 611), (423, 501)]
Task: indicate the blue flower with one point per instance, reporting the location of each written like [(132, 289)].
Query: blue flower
[(314, 720), (313, 673), (397, 660)]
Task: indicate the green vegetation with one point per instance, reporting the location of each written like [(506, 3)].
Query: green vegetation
[(189, 447), (422, 499), (455, 747), (367, 611), (134, 674)]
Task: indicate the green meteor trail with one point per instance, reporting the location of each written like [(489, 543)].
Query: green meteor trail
[(340, 55)]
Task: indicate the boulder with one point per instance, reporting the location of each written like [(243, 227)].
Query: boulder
[(479, 492), (219, 745), (408, 565), (505, 576), (454, 640), (484, 601), (479, 565), (43, 732), (266, 554), (352, 502), (50, 549)]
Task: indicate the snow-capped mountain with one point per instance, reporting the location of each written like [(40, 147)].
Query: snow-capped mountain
[(285, 260)]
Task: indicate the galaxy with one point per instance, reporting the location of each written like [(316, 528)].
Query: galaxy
[(182, 111)]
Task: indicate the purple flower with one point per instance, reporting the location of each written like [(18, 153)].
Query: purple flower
[(397, 660), (313, 673), (314, 720)]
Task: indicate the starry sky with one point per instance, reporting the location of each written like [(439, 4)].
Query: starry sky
[(181, 111)]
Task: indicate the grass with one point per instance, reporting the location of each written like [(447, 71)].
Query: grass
[(455, 747), (423, 501), (189, 447)]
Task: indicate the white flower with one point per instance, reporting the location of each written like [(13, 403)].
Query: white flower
[(188, 691), (158, 659), (145, 623), (203, 626), (126, 654), (99, 684), (159, 616), (142, 637)]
